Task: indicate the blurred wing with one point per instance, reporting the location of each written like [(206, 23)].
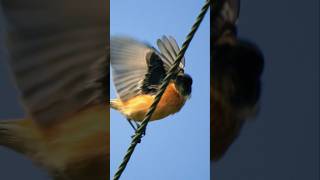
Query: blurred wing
[(169, 50), (58, 52), (224, 17)]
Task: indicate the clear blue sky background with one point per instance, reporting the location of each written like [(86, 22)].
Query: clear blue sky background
[(178, 146)]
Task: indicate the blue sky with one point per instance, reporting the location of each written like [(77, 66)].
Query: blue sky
[(178, 146)]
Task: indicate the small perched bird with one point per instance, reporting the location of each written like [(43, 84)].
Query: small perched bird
[(58, 53), (138, 70), (236, 68)]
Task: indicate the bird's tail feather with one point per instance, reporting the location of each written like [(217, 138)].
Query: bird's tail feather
[(115, 104), (11, 135)]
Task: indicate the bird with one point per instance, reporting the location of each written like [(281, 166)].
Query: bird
[(236, 70), (58, 54), (137, 72)]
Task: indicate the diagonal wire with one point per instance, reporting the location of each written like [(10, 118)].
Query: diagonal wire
[(172, 73)]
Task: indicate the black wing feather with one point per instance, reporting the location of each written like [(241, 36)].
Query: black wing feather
[(156, 73)]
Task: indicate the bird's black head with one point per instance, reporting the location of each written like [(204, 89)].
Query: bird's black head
[(241, 64), (236, 69), (183, 83)]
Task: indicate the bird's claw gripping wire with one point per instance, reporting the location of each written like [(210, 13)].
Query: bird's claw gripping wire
[(135, 127)]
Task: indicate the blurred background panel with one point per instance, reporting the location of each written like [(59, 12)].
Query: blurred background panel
[(25, 25), (283, 141), (12, 162), (176, 147)]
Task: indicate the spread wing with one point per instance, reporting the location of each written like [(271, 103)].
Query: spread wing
[(139, 68), (136, 67), (169, 49), (58, 54), (224, 17)]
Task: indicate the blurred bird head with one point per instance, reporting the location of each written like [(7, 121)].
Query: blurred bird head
[(237, 72), (236, 69)]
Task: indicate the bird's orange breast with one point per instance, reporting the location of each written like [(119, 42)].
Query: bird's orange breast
[(137, 107)]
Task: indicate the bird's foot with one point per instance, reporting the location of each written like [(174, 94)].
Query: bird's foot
[(135, 127)]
